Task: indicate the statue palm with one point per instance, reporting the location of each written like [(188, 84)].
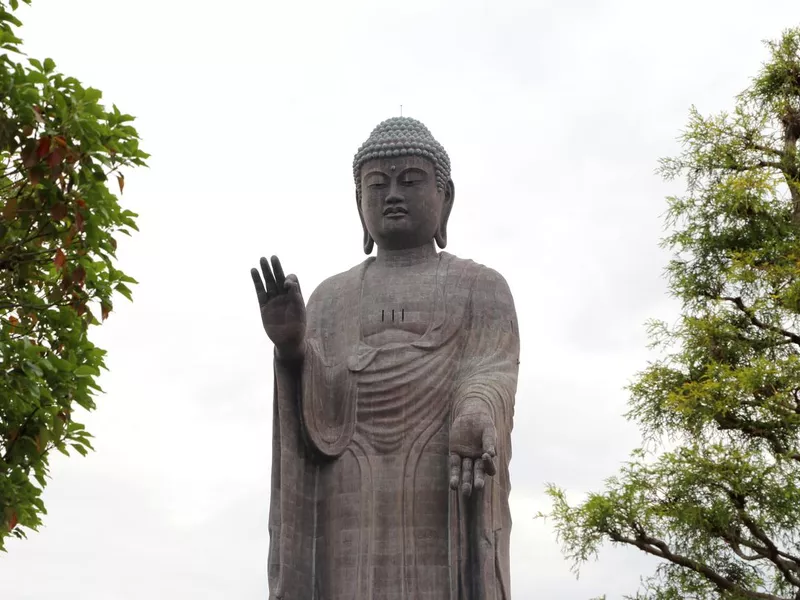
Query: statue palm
[(283, 311)]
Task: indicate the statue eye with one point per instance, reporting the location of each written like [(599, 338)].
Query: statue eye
[(412, 177), (377, 182)]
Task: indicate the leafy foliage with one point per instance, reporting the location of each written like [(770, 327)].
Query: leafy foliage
[(721, 504), (58, 148)]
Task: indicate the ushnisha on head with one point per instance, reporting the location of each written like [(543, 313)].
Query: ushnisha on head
[(403, 186)]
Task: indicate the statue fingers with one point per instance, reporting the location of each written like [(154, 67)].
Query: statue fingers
[(466, 476), (489, 440), (261, 293), (489, 465), (480, 476), (280, 278), (292, 285), (269, 279), (455, 471)]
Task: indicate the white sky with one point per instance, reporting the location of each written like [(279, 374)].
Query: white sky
[(554, 115)]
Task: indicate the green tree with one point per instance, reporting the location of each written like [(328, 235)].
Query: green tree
[(715, 490), (59, 149)]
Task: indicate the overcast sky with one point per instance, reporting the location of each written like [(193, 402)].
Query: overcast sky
[(554, 115)]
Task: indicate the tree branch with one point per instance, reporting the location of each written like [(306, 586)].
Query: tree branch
[(658, 548), (758, 165), (758, 429), (786, 567), (750, 144), (739, 303), (787, 564)]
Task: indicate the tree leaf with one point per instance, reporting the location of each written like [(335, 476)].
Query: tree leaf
[(60, 259), (86, 371), (10, 209), (58, 211), (43, 146), (78, 275)]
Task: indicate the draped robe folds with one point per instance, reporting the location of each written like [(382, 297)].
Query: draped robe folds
[(361, 507)]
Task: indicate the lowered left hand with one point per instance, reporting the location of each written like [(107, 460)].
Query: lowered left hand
[(473, 441)]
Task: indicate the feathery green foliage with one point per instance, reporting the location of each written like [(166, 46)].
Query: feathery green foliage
[(721, 505)]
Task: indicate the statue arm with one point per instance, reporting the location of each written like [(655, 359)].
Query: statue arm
[(325, 403), (482, 406), (490, 361)]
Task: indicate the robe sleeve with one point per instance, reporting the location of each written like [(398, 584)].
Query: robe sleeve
[(292, 501), (327, 391), (490, 359), (488, 372), (310, 421)]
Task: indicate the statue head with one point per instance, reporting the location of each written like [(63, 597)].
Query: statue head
[(403, 187)]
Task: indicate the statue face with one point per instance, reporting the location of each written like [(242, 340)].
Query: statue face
[(400, 204)]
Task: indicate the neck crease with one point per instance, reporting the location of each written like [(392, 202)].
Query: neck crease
[(406, 257)]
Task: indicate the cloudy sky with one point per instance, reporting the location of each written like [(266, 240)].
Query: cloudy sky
[(554, 115)]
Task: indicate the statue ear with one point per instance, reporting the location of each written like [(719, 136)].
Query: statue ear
[(369, 243), (449, 197)]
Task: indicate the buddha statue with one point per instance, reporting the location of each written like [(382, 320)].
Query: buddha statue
[(393, 401)]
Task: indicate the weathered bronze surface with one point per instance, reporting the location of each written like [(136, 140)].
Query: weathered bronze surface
[(394, 399)]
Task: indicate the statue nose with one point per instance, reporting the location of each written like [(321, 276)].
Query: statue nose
[(394, 194), (394, 198)]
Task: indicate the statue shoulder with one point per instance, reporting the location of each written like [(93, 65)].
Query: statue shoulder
[(483, 277), (335, 285)]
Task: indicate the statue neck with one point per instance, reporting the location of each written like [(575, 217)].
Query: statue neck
[(406, 257)]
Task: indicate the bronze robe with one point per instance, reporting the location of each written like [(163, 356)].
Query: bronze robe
[(361, 507)]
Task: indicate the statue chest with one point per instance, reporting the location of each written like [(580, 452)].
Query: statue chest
[(397, 305)]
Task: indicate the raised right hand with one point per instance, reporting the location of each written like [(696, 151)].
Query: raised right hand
[(283, 311)]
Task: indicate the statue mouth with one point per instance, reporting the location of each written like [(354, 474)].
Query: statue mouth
[(394, 211)]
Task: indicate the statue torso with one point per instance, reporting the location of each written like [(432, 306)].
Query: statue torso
[(397, 302)]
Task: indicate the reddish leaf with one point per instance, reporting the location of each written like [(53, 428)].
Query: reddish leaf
[(44, 146), (113, 243), (79, 221), (61, 259), (70, 236), (27, 131), (28, 154), (10, 209), (34, 176), (37, 112), (121, 181), (12, 520), (105, 309), (55, 158), (81, 202), (79, 275), (60, 140), (59, 211)]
